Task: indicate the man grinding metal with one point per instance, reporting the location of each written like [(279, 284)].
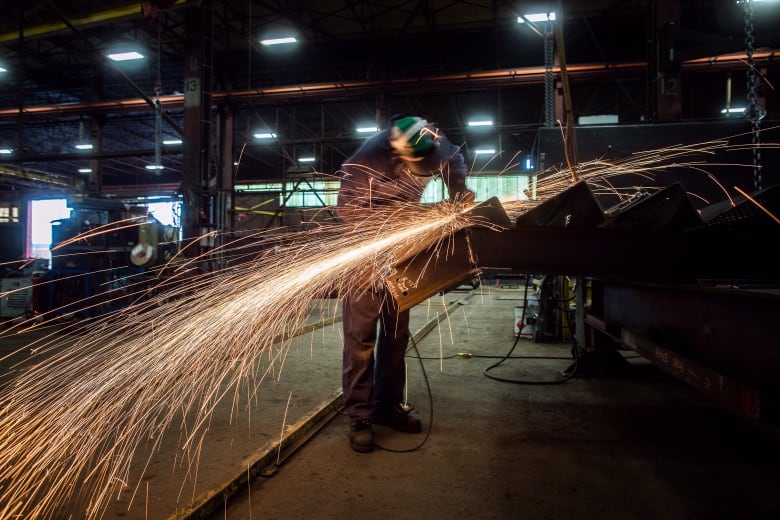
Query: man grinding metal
[(393, 166)]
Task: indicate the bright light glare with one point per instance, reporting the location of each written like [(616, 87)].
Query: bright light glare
[(154, 167), (486, 122), (484, 151), (84, 146), (2, 69), (733, 110), (536, 17), (306, 159), (85, 170), (172, 141), (125, 56), (367, 129), (43, 213), (265, 135), (278, 41), (6, 151)]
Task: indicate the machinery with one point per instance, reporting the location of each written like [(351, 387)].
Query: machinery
[(694, 291), (104, 248)]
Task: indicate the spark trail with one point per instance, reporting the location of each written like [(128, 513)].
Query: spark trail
[(74, 418)]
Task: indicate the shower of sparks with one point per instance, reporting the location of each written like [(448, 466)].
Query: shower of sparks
[(72, 420), (82, 405)]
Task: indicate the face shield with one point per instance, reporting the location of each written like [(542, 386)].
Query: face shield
[(416, 143)]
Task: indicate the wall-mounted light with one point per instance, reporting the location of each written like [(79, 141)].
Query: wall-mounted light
[(367, 129), (171, 142), (484, 151), (3, 69), (155, 167), (125, 56), (733, 110), (84, 146), (306, 159), (480, 122), (85, 170), (265, 135), (536, 17), (6, 151), (278, 41)]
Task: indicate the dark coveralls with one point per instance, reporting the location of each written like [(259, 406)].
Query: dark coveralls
[(375, 176)]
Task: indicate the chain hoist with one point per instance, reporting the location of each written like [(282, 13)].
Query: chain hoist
[(753, 112)]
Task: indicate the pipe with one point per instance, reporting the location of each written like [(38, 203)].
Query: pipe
[(98, 17), (526, 76)]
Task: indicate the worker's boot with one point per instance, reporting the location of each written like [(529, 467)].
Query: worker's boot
[(361, 436), (397, 418)]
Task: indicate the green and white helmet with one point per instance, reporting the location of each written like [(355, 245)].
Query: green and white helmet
[(413, 138)]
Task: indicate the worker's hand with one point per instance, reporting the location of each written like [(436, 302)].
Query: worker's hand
[(463, 197)]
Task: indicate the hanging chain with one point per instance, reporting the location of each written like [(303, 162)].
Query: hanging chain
[(752, 112), (549, 79)]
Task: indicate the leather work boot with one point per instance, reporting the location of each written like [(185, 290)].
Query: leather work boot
[(361, 436), (397, 418)]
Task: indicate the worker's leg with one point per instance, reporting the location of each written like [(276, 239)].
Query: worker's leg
[(390, 369), (359, 316)]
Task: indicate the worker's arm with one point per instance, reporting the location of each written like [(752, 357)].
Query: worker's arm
[(455, 173)]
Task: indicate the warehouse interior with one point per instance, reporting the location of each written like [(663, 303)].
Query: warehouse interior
[(624, 153)]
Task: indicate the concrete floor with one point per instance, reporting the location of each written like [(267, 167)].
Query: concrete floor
[(636, 445)]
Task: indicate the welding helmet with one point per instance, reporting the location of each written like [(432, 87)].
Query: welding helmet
[(416, 142)]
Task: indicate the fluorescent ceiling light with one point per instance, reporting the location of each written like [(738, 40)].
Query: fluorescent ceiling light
[(84, 146), (265, 135), (733, 110), (85, 170), (484, 151), (278, 41), (172, 141), (3, 69), (6, 151), (306, 159), (125, 56), (367, 129), (154, 167), (486, 122), (536, 17)]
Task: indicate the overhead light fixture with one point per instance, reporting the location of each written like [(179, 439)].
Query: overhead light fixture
[(155, 167), (483, 122), (171, 142), (125, 56), (6, 151), (85, 170), (367, 129), (536, 17), (84, 146), (484, 151), (306, 159), (265, 135), (278, 41), (3, 69), (733, 110)]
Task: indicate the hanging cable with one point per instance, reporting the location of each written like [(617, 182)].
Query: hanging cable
[(158, 106), (569, 140)]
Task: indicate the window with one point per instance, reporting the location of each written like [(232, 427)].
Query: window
[(316, 194), (9, 212)]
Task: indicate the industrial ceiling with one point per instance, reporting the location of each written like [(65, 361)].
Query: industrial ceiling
[(355, 60)]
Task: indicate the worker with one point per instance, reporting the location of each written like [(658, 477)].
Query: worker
[(392, 166)]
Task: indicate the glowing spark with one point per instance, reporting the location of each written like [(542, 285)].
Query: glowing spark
[(758, 205)]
